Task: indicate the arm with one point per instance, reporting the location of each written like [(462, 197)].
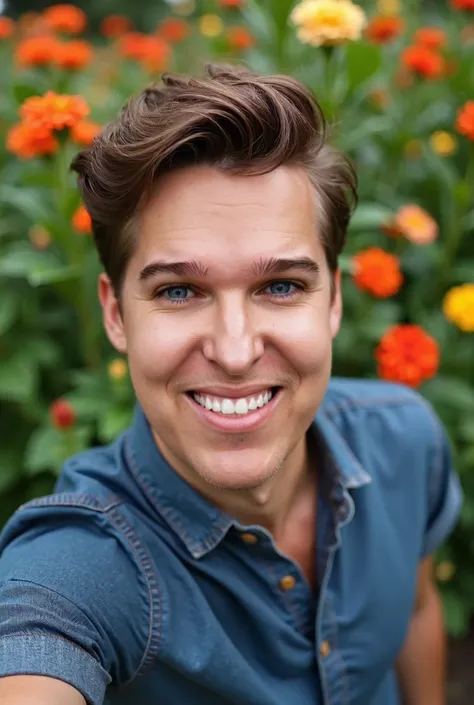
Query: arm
[(421, 662), (38, 690)]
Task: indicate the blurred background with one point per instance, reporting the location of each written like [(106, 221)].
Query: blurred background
[(395, 78)]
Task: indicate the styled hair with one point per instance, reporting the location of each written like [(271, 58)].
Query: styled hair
[(232, 119)]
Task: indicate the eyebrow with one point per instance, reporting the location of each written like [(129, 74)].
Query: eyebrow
[(262, 267)]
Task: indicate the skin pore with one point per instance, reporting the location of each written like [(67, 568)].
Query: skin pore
[(228, 293)]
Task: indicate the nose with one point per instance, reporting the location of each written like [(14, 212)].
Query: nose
[(234, 342)]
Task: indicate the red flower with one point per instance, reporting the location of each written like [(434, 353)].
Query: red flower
[(431, 37), (174, 29), (62, 414), (7, 27), (81, 221), (423, 62), (231, 3), (377, 272), (115, 25), (407, 354), (65, 18), (465, 120), (383, 29), (240, 38), (463, 5), (74, 55)]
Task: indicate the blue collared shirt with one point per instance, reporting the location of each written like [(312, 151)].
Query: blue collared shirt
[(134, 589)]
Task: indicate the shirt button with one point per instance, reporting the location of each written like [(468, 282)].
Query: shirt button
[(325, 649), (287, 583), (249, 538)]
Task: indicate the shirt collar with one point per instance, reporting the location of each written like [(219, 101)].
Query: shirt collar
[(198, 523)]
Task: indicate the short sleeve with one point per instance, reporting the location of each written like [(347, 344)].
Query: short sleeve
[(73, 603), (444, 490)]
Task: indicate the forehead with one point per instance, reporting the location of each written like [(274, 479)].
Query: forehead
[(224, 218)]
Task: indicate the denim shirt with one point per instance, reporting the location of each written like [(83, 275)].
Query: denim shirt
[(134, 589)]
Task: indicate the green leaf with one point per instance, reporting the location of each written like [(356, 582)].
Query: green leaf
[(113, 423), (9, 468), (18, 378), (8, 308), (369, 216), (363, 60), (29, 202), (351, 139), (450, 391), (44, 450), (38, 267), (22, 90), (457, 616)]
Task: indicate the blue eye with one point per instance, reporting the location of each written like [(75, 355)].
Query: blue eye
[(282, 288), (177, 293)]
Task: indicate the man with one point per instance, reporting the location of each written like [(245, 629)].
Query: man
[(260, 535)]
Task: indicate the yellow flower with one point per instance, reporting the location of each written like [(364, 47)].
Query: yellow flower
[(117, 369), (458, 307), (210, 25), (445, 571), (389, 7), (443, 143), (328, 21)]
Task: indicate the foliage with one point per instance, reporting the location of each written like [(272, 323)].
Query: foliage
[(400, 114)]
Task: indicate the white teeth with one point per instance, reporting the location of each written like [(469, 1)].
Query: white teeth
[(236, 406), (227, 407), (241, 406)]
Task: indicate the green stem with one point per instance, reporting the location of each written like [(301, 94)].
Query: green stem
[(459, 209)]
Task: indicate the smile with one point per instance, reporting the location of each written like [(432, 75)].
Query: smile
[(238, 414), (242, 406)]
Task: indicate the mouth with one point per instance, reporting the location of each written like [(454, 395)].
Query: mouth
[(239, 414)]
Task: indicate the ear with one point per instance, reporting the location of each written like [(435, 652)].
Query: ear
[(112, 316), (335, 313)]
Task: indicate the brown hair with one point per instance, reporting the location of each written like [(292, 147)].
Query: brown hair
[(232, 119)]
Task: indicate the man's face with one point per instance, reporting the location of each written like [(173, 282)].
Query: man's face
[(227, 321)]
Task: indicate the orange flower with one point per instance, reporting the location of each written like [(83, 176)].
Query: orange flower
[(423, 62), (7, 27), (174, 29), (415, 224), (62, 414), (133, 45), (84, 131), (156, 54), (81, 221), (382, 30), (240, 38), (465, 120), (53, 111), (463, 4), (36, 51), (407, 354), (115, 25), (431, 37), (231, 3), (65, 18), (377, 272), (73, 55), (28, 142)]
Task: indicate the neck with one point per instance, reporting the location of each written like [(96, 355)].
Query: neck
[(271, 504)]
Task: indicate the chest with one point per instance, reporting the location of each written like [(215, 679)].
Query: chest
[(233, 626)]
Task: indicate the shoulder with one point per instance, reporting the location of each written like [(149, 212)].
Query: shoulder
[(391, 408)]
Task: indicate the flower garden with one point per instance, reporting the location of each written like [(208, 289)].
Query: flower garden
[(398, 86)]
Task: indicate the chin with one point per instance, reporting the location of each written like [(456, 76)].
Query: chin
[(238, 477)]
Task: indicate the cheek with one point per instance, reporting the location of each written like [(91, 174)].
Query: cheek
[(306, 340), (157, 345)]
